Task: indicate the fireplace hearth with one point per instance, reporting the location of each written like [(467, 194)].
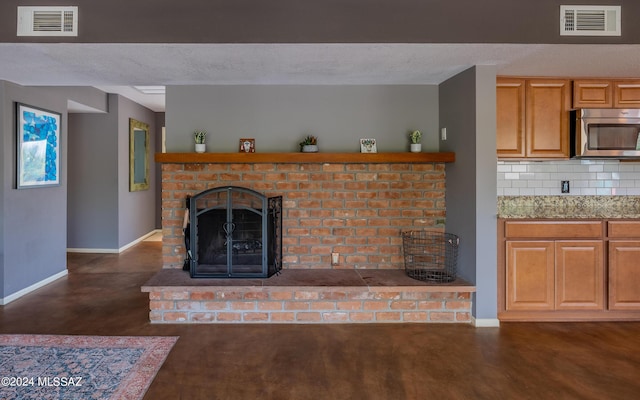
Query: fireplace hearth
[(234, 232)]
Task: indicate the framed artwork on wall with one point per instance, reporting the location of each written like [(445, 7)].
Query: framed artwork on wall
[(247, 145), (368, 145), (138, 155), (38, 147)]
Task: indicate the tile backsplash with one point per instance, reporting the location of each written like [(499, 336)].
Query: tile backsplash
[(586, 177)]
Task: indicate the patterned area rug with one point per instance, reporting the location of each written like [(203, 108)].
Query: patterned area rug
[(80, 367)]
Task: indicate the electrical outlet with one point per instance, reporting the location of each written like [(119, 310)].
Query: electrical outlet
[(564, 187), (443, 133), (335, 258)]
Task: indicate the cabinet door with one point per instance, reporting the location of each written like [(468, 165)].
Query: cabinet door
[(530, 275), (592, 93), (579, 275), (547, 118), (624, 275), (510, 106), (626, 94)]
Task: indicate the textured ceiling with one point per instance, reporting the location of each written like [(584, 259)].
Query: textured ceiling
[(116, 67)]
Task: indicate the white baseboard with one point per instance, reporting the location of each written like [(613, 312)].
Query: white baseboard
[(114, 251), (100, 251), (27, 290), (486, 322)]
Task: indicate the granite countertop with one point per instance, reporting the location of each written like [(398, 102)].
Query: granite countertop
[(568, 207)]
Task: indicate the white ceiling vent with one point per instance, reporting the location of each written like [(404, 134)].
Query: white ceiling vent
[(47, 21), (590, 21)]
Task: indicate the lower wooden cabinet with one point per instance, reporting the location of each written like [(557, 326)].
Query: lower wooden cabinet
[(555, 275), (579, 279), (530, 268), (624, 275), (569, 270)]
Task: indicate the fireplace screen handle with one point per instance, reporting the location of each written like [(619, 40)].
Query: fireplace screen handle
[(229, 227)]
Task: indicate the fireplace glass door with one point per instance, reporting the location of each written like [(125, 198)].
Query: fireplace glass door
[(236, 233)]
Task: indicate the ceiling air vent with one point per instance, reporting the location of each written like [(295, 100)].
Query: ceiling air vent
[(47, 21), (590, 20)]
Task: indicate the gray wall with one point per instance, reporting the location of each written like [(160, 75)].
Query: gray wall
[(103, 214), (278, 117), (33, 221), (326, 21), (468, 110), (93, 180)]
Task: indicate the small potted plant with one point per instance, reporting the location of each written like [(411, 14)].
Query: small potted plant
[(415, 138), (199, 137), (309, 144)]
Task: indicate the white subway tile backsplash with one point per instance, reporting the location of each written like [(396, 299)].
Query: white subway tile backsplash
[(603, 176), (511, 175), (596, 168), (586, 177)]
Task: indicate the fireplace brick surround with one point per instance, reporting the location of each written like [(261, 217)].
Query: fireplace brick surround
[(355, 208)]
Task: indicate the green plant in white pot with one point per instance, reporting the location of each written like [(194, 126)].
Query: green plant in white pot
[(199, 137), (415, 137), (309, 144)]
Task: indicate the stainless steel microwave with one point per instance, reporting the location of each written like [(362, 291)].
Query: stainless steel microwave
[(605, 133)]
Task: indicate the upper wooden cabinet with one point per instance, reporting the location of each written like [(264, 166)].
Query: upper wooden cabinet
[(592, 93), (626, 94), (532, 118), (510, 107), (606, 93)]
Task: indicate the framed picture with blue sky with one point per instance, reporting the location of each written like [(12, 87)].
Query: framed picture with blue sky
[(38, 147)]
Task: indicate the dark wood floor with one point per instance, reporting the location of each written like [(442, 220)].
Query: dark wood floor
[(101, 296)]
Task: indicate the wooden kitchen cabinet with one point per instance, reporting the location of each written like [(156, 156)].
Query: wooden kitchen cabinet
[(624, 268), (551, 266), (510, 108), (555, 275), (530, 269), (624, 275), (532, 119), (606, 93), (579, 275), (626, 94), (593, 93)]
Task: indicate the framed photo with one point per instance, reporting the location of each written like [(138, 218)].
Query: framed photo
[(38, 147), (247, 145), (368, 145)]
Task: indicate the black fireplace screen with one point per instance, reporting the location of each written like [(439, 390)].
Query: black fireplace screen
[(234, 232)]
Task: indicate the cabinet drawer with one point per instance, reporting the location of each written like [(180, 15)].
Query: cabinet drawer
[(553, 229), (624, 229)]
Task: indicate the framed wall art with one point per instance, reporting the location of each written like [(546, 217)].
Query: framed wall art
[(247, 145), (38, 147), (368, 145), (138, 155)]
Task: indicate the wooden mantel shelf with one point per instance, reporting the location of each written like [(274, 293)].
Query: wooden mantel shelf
[(300, 158)]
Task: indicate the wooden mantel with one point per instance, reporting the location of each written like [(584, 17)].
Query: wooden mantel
[(300, 158)]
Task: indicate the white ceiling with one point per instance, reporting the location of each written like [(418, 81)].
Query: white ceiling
[(115, 68)]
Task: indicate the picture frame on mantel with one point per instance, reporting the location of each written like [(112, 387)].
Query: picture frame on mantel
[(38, 147), (247, 145), (368, 145)]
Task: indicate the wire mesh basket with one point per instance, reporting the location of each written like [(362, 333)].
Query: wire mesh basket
[(430, 256)]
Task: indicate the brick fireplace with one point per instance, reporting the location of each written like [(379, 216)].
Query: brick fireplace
[(355, 209), (355, 205)]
